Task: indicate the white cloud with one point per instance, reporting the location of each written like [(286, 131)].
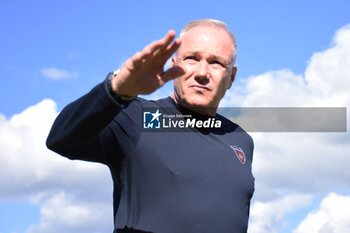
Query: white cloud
[(332, 216), (326, 81), (314, 163), (58, 74), (328, 71), (37, 175), (267, 216), (66, 213)]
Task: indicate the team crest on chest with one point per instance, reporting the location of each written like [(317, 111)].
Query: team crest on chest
[(239, 153)]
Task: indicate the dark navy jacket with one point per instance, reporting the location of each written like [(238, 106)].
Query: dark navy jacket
[(190, 181)]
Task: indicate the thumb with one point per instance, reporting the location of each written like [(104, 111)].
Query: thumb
[(173, 73)]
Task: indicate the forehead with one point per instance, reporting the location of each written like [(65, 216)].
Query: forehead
[(207, 39)]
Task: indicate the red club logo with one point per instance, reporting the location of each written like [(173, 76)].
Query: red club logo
[(239, 153)]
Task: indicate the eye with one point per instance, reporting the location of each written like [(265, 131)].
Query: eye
[(216, 63), (189, 58)]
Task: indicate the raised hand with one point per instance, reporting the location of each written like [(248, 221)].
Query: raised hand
[(144, 72)]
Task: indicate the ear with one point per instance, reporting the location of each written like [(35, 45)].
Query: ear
[(233, 75)]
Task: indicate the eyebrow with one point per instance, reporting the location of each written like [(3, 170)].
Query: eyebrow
[(215, 57)]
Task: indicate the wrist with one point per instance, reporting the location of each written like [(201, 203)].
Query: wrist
[(111, 76)]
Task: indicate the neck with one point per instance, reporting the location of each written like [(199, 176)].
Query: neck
[(205, 111)]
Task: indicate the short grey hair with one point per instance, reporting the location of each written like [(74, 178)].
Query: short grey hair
[(216, 23)]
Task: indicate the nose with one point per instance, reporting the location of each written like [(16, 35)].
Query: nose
[(202, 72)]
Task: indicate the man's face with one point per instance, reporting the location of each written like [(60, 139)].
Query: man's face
[(206, 54)]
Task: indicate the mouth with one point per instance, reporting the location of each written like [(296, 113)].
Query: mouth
[(199, 88)]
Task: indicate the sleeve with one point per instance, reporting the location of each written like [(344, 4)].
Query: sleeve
[(88, 128)]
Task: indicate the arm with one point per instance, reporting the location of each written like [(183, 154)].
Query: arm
[(82, 125), (85, 127)]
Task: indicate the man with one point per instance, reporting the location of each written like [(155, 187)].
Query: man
[(189, 180)]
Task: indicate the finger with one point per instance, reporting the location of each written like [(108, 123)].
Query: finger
[(160, 46), (152, 49), (134, 60), (171, 49), (169, 37), (139, 58), (174, 72)]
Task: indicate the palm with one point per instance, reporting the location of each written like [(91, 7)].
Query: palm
[(144, 72)]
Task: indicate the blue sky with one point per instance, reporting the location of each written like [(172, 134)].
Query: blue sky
[(94, 37), (59, 50)]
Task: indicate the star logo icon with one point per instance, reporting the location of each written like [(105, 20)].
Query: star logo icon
[(155, 116)]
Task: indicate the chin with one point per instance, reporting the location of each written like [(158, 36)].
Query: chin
[(198, 102), (193, 100)]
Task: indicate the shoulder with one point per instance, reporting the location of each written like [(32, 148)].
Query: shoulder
[(234, 129), (229, 125), (139, 105)]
